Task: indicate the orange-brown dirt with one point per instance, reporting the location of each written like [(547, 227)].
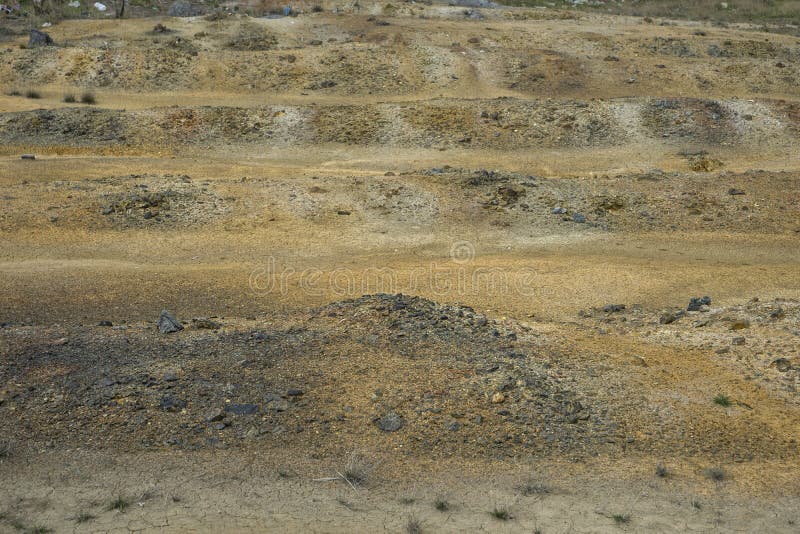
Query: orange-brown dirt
[(495, 181)]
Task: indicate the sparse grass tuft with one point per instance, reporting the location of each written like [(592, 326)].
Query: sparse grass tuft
[(662, 471), (696, 504), (407, 500), (37, 529), (722, 400), (284, 473), (413, 525), (357, 469), (30, 93), (717, 474), (69, 98), (501, 513), (441, 504), (621, 519), (120, 503), (14, 92), (5, 448), (84, 517), (533, 487), (344, 502), (88, 98)]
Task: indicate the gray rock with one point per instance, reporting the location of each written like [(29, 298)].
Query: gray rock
[(105, 323), (215, 415), (782, 364), (578, 218), (391, 422), (697, 302), (28, 156), (168, 324), (171, 404), (241, 409), (472, 14), (279, 405), (558, 210), (39, 38), (777, 314), (613, 308), (294, 392)]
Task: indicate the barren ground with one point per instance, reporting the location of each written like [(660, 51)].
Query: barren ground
[(395, 235)]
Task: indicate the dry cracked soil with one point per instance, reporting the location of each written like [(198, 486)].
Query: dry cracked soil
[(400, 267)]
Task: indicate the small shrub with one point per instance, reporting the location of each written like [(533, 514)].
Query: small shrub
[(662, 471), (442, 505), (413, 525), (5, 449), (722, 400), (120, 503), (284, 473), (533, 487), (407, 500), (317, 9), (501, 513), (37, 529), (14, 92), (696, 504), (30, 93), (621, 519), (717, 474), (88, 98), (357, 469), (69, 98)]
